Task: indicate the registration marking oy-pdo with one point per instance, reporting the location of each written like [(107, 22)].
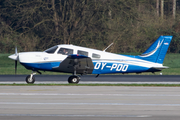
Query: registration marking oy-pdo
[(116, 67)]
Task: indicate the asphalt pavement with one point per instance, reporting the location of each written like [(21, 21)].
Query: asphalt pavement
[(89, 103), (128, 79)]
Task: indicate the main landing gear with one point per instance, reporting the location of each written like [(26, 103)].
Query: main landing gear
[(74, 79)]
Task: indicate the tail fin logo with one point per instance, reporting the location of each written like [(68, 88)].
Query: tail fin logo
[(166, 43), (152, 52)]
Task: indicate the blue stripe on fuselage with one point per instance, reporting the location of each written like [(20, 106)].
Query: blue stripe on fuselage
[(99, 67), (41, 66), (105, 68)]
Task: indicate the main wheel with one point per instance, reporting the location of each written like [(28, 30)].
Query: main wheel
[(73, 79), (30, 81)]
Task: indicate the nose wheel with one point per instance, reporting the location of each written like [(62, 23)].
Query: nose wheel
[(74, 79), (30, 79)]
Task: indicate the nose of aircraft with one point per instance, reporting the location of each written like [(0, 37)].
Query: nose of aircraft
[(30, 57), (13, 57)]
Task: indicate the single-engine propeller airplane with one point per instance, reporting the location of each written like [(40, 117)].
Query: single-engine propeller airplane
[(80, 60)]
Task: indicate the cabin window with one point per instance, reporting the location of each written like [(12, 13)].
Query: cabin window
[(65, 51), (82, 53), (51, 50), (96, 55)]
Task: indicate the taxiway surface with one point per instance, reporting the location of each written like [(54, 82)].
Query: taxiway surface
[(126, 79), (89, 103)]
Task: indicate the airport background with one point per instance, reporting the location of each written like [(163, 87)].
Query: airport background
[(132, 25)]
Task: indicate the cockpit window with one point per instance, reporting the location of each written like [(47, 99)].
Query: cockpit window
[(65, 51), (95, 55), (82, 52), (51, 50)]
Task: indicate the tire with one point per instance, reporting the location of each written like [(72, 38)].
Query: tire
[(73, 79), (30, 81)]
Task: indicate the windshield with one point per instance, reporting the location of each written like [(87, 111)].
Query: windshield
[(51, 50)]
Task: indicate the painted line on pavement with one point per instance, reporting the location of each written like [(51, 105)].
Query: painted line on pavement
[(68, 94), (70, 115), (110, 104)]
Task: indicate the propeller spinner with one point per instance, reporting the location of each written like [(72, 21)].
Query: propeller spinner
[(15, 57)]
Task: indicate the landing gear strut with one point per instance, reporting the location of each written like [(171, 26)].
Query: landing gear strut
[(30, 79), (74, 79)]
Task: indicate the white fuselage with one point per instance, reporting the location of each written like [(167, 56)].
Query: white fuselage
[(104, 62)]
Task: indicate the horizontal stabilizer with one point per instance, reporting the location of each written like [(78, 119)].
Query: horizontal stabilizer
[(160, 68)]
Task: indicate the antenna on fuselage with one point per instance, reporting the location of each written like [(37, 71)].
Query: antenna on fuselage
[(107, 47)]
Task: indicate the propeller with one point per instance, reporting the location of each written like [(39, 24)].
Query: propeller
[(15, 66), (16, 60), (15, 57)]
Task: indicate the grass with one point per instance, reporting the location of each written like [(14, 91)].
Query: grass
[(7, 66)]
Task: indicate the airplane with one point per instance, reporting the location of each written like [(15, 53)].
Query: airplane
[(81, 60)]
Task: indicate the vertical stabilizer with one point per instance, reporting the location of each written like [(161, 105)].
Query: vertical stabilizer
[(157, 51)]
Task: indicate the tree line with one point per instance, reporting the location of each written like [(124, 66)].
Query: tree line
[(132, 25)]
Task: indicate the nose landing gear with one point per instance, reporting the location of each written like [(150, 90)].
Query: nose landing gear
[(30, 79)]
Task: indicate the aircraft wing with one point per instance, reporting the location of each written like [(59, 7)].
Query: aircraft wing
[(75, 63)]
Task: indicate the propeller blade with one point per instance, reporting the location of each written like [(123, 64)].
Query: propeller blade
[(15, 66), (16, 50), (16, 53)]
